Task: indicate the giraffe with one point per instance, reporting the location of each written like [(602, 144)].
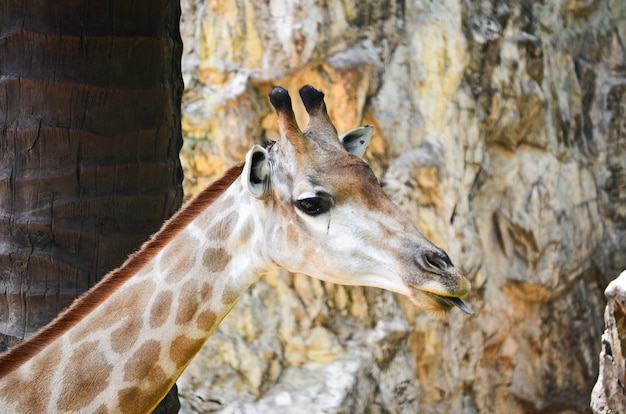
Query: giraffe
[(306, 203)]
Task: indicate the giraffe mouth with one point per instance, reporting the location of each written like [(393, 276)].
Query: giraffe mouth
[(441, 302), (458, 302)]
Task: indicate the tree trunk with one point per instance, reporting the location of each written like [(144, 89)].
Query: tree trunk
[(89, 142)]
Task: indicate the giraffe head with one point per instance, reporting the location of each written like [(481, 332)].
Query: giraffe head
[(325, 214)]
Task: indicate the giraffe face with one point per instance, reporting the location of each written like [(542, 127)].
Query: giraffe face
[(328, 217)]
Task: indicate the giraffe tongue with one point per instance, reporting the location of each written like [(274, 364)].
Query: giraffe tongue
[(458, 302)]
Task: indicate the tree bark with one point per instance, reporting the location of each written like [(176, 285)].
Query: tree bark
[(89, 142)]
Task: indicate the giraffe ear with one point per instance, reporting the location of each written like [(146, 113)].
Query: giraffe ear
[(355, 141), (256, 172)]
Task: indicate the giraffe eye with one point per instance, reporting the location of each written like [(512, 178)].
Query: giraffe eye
[(315, 205)]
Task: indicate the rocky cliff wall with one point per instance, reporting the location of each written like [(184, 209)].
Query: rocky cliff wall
[(500, 129)]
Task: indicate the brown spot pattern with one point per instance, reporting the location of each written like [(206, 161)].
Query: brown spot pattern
[(183, 349), (147, 394), (188, 302), (230, 221), (310, 253), (178, 268), (292, 234), (206, 320), (160, 309), (230, 296), (206, 292), (134, 300), (142, 364), (123, 338), (177, 260), (84, 379), (43, 367), (224, 227), (215, 260), (229, 200), (13, 392)]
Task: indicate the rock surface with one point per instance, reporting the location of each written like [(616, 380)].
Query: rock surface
[(500, 130)]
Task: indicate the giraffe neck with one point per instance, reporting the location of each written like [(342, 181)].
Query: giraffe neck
[(126, 352)]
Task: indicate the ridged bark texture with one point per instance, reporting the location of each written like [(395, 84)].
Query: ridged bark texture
[(89, 142)]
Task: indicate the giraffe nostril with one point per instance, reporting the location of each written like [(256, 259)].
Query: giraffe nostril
[(437, 260)]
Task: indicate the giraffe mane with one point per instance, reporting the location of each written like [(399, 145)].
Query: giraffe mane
[(90, 300)]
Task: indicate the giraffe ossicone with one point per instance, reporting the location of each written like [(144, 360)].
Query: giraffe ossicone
[(306, 203)]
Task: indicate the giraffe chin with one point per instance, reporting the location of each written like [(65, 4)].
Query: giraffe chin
[(434, 303)]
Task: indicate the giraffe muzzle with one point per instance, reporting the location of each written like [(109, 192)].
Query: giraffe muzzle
[(441, 302)]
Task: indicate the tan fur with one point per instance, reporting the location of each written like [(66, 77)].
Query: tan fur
[(206, 320), (139, 367), (160, 310), (133, 399), (182, 347), (72, 397), (182, 262), (124, 337), (187, 305), (215, 260)]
